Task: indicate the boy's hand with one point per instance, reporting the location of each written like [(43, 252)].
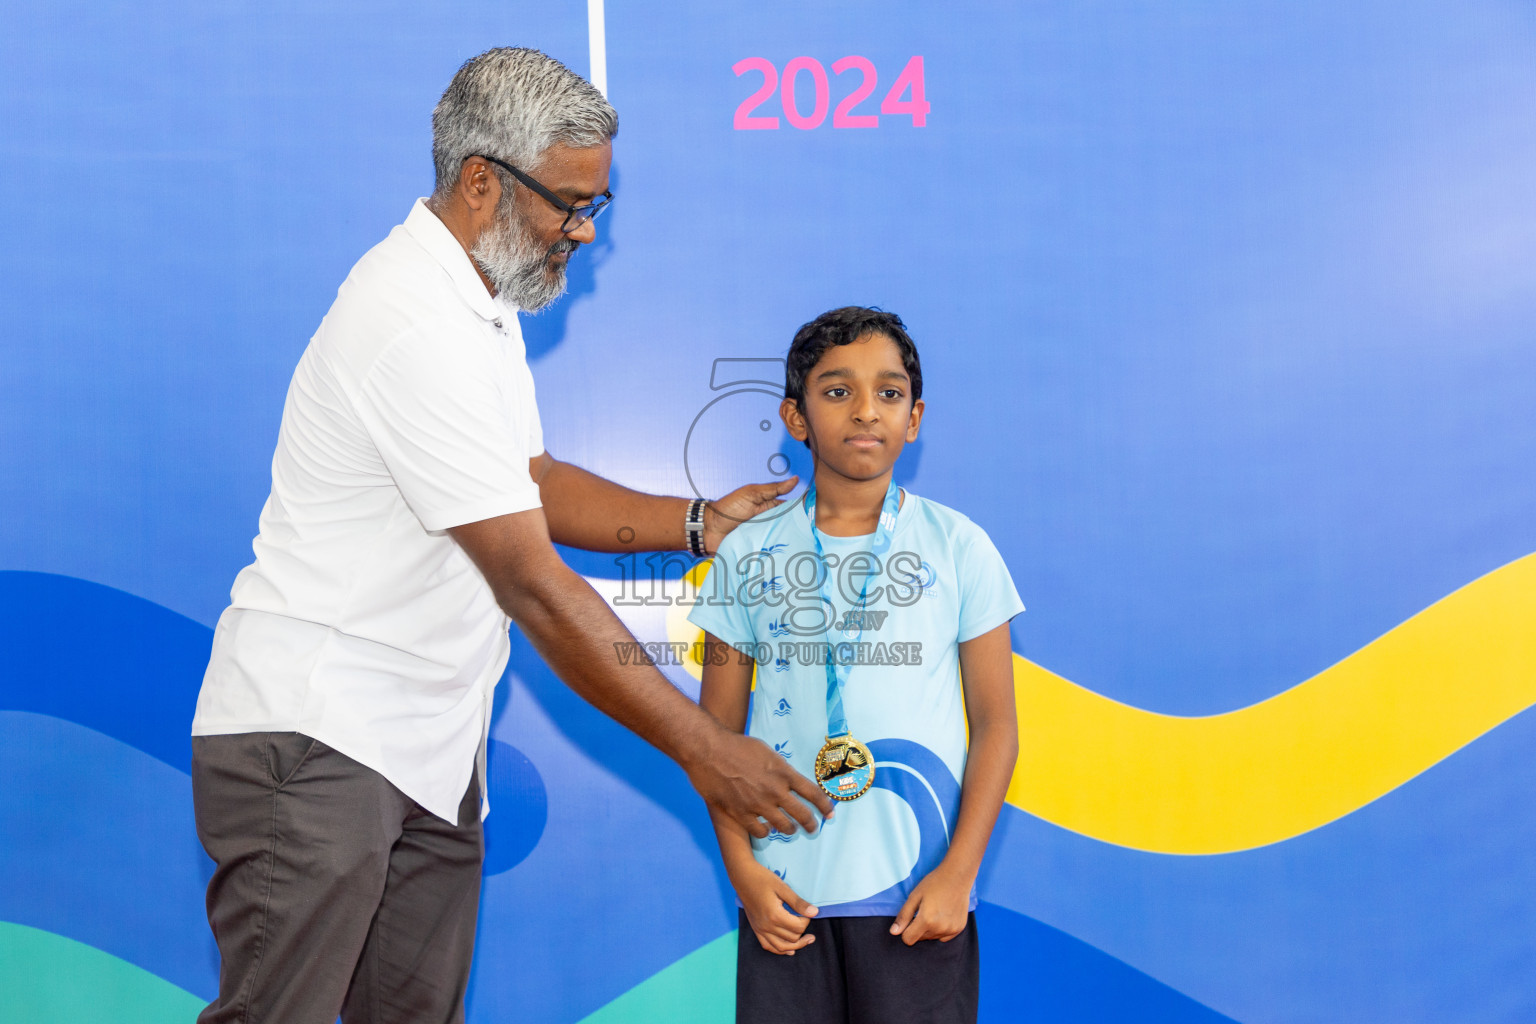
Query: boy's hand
[(937, 909), (763, 896)]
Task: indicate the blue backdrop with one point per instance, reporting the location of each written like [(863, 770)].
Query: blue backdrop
[(1226, 314)]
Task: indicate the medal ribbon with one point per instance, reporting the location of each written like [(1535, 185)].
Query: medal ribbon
[(837, 675)]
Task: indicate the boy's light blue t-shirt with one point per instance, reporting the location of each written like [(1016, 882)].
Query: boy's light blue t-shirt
[(942, 582)]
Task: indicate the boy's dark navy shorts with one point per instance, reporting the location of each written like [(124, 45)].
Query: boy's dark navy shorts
[(857, 971)]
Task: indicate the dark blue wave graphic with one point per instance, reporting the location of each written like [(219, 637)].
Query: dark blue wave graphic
[(101, 658), (1033, 972), (130, 669), (519, 808)]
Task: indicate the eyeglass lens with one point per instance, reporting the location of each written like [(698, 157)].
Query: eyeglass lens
[(581, 214)]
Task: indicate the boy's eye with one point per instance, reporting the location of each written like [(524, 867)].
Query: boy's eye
[(891, 393), (836, 392)]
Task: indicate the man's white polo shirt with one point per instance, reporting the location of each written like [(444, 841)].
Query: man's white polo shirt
[(362, 623)]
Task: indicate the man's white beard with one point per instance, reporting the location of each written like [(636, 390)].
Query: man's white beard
[(518, 266)]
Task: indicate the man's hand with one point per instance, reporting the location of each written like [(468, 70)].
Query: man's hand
[(744, 781), (727, 513), (763, 898), (577, 634), (937, 909)]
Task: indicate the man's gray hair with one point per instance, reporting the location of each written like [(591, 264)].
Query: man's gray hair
[(514, 104)]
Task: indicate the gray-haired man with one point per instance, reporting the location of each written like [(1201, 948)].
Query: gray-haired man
[(411, 516)]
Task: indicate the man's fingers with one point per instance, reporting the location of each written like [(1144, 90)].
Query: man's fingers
[(780, 822), (812, 792), (802, 814), (764, 494), (760, 495), (782, 487), (755, 826)]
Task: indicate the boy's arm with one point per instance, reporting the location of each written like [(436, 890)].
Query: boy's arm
[(725, 694), (939, 905)]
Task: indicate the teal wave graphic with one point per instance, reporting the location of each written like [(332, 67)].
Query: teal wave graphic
[(49, 979), (1030, 972)]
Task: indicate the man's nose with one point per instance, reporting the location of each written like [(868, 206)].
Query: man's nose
[(586, 234)]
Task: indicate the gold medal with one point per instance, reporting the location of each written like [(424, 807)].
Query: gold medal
[(844, 768)]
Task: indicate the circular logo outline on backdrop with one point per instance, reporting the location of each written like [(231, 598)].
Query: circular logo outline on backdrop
[(733, 388)]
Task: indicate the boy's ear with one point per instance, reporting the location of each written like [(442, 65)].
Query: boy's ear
[(914, 420), (794, 419)]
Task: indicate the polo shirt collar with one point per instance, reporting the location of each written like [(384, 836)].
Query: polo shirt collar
[(434, 236)]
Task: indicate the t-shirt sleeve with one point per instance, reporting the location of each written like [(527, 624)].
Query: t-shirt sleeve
[(987, 594), (451, 425), (720, 610)]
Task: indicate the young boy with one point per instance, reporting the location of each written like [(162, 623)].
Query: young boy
[(859, 607)]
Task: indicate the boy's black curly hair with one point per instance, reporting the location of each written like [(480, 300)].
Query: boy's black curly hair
[(843, 327)]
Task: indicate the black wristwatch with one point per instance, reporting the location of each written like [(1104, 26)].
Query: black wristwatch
[(693, 528)]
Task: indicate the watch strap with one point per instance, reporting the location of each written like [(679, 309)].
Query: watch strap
[(693, 528)]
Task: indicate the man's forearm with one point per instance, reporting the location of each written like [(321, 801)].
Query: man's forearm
[(581, 639), (586, 511), (578, 635)]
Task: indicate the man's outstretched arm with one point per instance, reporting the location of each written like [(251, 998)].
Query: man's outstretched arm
[(584, 510), (576, 632)]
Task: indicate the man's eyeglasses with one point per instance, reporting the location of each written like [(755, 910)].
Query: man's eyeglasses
[(575, 216)]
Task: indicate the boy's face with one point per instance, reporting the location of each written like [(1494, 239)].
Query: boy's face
[(859, 411)]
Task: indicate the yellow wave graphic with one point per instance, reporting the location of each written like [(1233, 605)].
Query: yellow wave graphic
[(1289, 764)]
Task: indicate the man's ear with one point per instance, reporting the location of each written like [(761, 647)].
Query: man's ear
[(914, 420), (794, 419), (478, 187)]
